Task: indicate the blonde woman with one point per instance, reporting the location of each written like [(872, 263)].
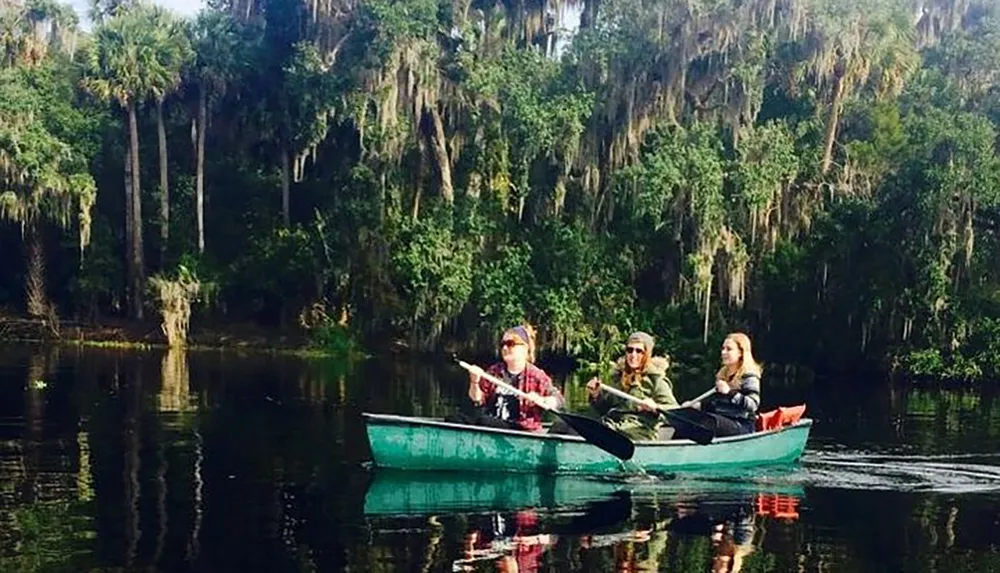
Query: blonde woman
[(732, 410)]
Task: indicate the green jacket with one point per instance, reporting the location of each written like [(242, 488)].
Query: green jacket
[(654, 384)]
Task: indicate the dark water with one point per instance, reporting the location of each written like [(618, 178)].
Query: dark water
[(113, 461)]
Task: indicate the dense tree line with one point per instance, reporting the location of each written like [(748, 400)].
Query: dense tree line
[(821, 174)]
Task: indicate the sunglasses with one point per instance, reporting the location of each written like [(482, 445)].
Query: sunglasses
[(510, 343), (631, 350)]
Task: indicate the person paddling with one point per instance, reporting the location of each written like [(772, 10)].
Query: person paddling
[(732, 409), (642, 375), (499, 408)]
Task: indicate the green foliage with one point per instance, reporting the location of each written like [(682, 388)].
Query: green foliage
[(932, 363), (666, 168), (328, 335), (530, 112), (335, 340), (766, 160), (292, 251), (41, 175), (306, 98), (95, 283), (503, 286), (391, 23), (541, 114), (582, 287), (433, 268)]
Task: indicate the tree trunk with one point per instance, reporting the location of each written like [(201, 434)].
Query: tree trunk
[(128, 228), (285, 187), (589, 13), (137, 271), (832, 123), (34, 282), (418, 179), (161, 134), (708, 309), (381, 195), (415, 213), (438, 144), (199, 181), (559, 201)]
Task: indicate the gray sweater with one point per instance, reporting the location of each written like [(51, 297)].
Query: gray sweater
[(742, 403)]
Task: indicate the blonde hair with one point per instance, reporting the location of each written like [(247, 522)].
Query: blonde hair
[(747, 363), (630, 377), (518, 332)]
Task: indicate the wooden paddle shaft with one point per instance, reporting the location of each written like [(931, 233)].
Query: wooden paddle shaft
[(627, 396), (503, 384)]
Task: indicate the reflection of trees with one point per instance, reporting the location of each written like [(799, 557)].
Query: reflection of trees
[(409, 387), (131, 398), (176, 417), (34, 414), (179, 439), (175, 383), (897, 531), (941, 420), (44, 486), (935, 419)]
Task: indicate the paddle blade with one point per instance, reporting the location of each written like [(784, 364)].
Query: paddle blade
[(608, 439), (689, 428)]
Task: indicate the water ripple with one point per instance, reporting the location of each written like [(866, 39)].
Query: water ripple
[(960, 473)]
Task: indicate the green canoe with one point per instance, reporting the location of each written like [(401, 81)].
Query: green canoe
[(409, 443)]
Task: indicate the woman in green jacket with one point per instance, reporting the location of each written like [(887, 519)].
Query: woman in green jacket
[(644, 376)]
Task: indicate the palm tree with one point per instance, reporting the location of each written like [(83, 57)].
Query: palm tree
[(174, 52), (216, 39), (127, 67)]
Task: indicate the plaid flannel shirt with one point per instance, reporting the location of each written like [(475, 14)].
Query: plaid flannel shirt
[(533, 379)]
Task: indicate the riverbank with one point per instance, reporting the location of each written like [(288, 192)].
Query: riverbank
[(119, 333), (689, 358)]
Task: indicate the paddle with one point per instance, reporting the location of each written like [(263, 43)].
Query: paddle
[(698, 433), (593, 431)]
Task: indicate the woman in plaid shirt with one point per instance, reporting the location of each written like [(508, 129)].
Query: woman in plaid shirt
[(499, 408)]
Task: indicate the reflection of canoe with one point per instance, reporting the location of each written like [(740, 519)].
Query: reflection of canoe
[(424, 444), (412, 493), (417, 493)]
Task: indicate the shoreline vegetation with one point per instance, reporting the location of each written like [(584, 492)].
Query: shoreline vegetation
[(124, 334), (136, 335)]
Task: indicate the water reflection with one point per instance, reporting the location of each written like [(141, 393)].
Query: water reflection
[(162, 461), (622, 532)]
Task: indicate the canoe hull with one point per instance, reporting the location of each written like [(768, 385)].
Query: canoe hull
[(408, 443)]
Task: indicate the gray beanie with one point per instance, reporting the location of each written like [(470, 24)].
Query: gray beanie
[(642, 338)]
